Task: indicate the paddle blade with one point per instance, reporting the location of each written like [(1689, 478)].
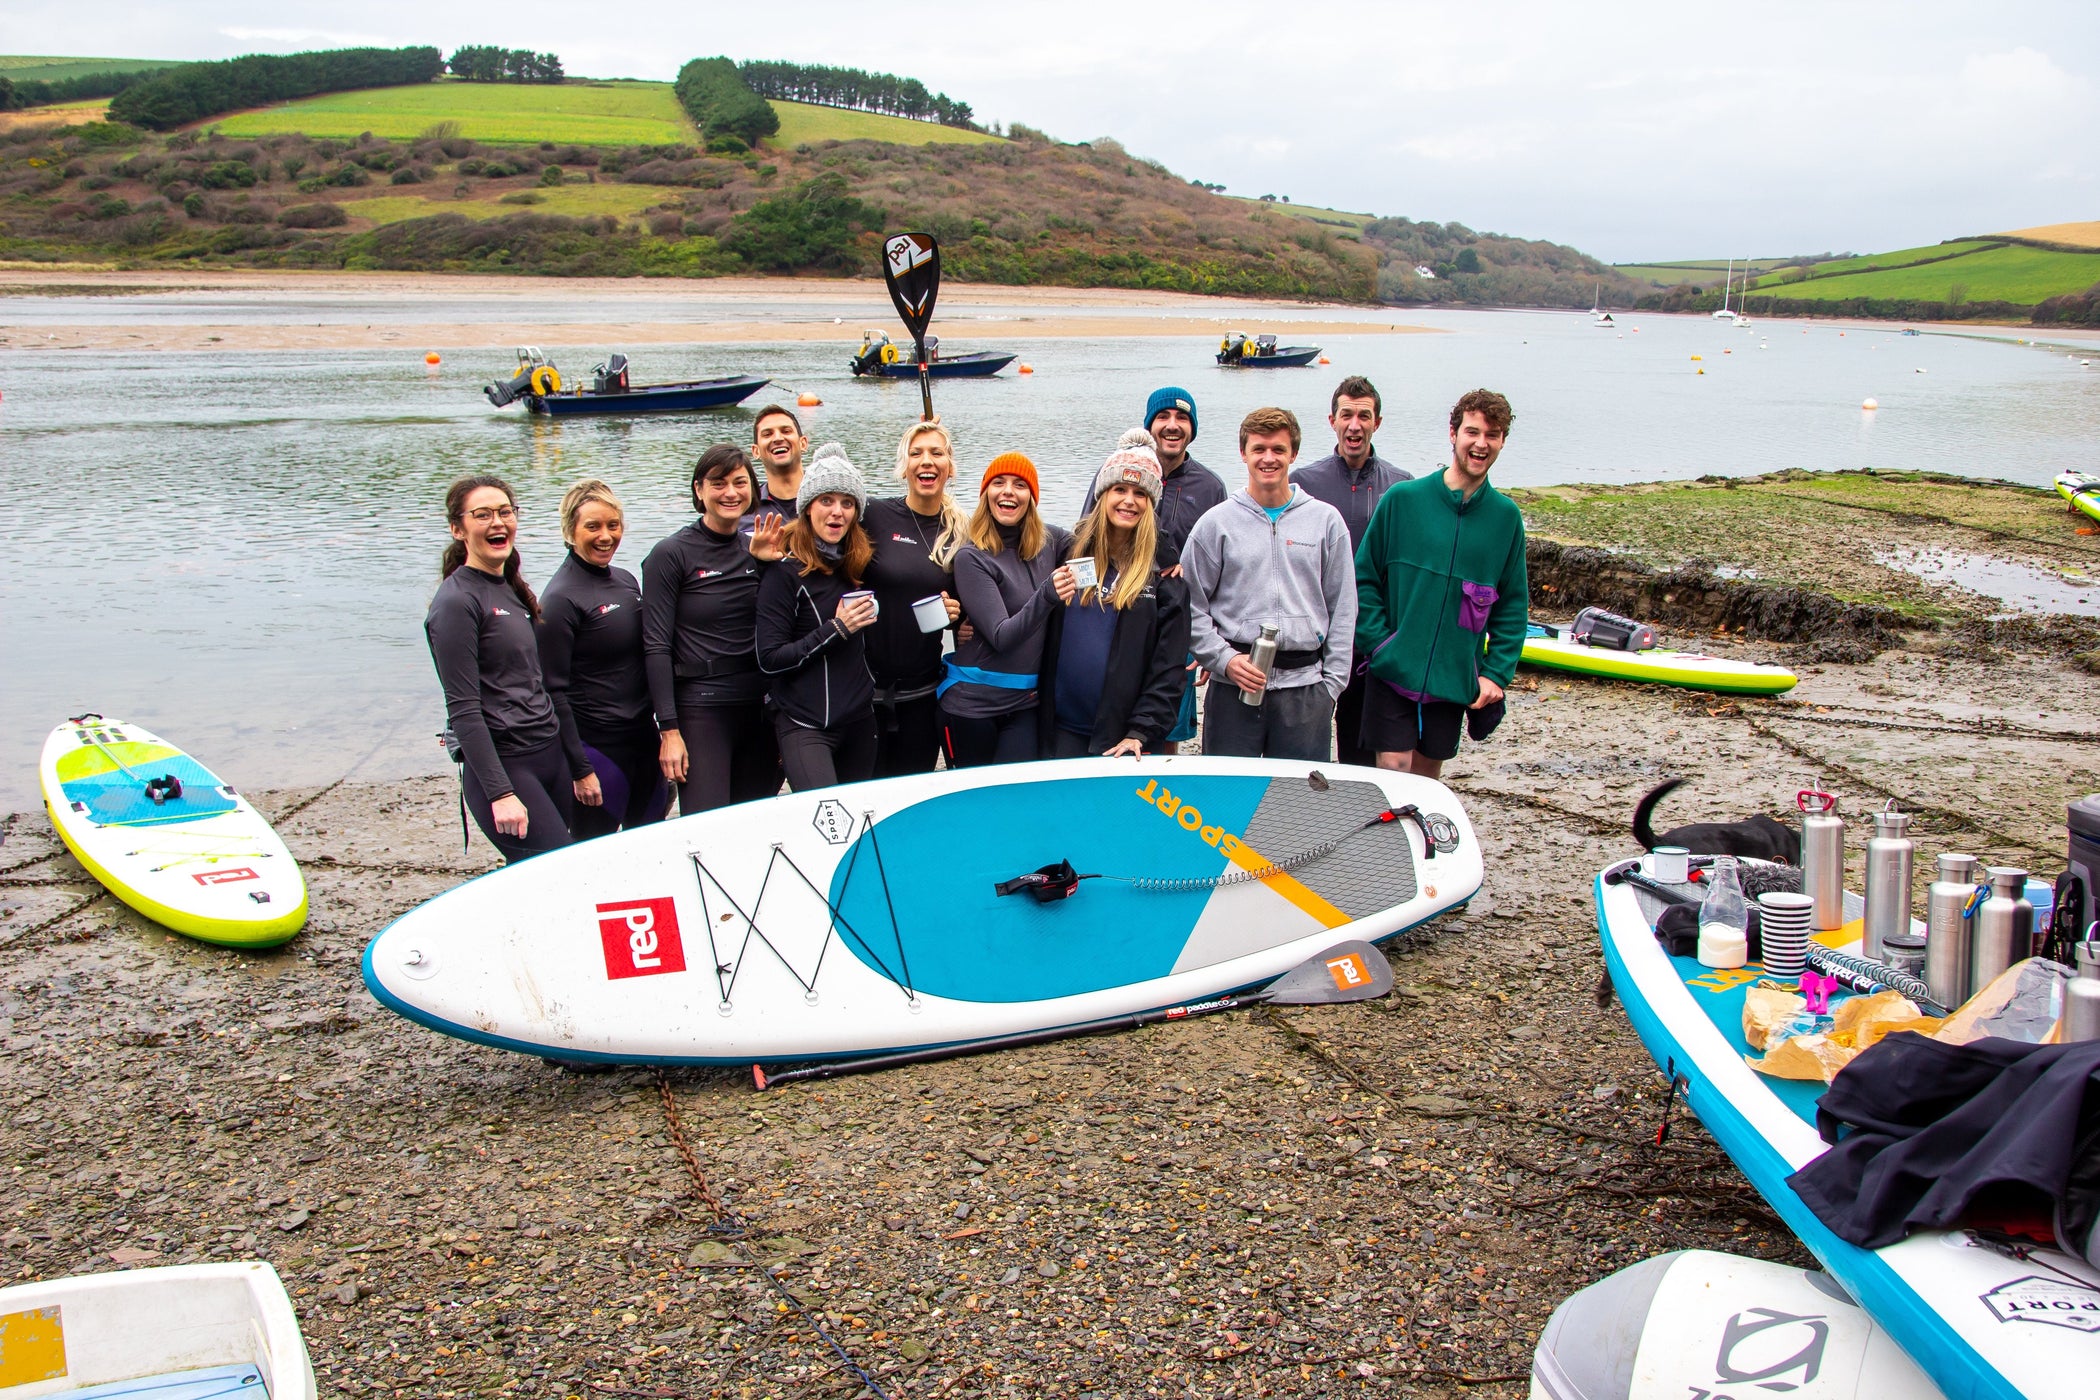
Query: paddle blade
[(911, 267), (1352, 971)]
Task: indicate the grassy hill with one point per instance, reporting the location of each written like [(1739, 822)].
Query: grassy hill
[(24, 67), (802, 124), (2084, 235), (1695, 272), (1962, 271), (615, 113)]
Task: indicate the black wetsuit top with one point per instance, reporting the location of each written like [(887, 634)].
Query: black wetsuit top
[(901, 656), (816, 673), (488, 662), (699, 599), (591, 655)]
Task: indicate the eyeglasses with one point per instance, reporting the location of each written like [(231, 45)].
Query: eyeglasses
[(488, 514)]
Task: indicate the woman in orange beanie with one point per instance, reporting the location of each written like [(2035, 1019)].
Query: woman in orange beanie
[(1004, 577)]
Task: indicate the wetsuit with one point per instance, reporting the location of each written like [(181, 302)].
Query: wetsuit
[(488, 662), (816, 677), (906, 662), (591, 658), (699, 602), (993, 683)]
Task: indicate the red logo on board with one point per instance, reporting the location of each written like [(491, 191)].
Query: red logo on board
[(225, 877), (641, 938)]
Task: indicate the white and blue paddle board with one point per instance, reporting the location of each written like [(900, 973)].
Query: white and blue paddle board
[(863, 918), (1982, 1324)]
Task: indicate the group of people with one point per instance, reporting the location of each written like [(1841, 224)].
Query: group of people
[(798, 628)]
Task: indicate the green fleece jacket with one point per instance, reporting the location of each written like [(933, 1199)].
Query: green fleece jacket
[(1434, 575)]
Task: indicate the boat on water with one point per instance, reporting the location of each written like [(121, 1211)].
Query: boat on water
[(1262, 352), (1598, 315), (539, 385), (1727, 284), (883, 358)]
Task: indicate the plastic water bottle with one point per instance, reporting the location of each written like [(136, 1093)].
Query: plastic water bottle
[(1724, 919)]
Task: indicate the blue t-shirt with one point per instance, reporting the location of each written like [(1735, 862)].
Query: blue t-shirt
[(1082, 663), (1275, 513)]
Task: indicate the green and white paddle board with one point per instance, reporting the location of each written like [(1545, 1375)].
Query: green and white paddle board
[(1690, 669), (2082, 490), (167, 836)]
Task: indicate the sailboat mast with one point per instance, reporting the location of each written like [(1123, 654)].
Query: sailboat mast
[(1727, 281)]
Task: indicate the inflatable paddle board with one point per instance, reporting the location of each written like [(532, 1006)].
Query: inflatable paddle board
[(866, 918), (2082, 490), (1694, 1323), (1979, 1322), (184, 1333), (1689, 669), (167, 836)]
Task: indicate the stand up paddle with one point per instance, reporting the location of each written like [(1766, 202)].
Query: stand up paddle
[(1352, 971), (911, 268)]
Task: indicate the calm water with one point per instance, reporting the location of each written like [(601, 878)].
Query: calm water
[(236, 548)]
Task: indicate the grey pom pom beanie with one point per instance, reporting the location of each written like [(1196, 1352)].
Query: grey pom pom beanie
[(830, 474), (1135, 462)]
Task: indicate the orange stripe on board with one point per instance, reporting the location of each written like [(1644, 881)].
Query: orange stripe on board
[(1288, 886)]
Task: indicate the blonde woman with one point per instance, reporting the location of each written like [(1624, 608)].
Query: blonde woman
[(590, 636), (1113, 654), (1004, 578), (915, 537)]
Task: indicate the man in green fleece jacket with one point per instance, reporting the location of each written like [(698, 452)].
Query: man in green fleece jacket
[(1440, 572)]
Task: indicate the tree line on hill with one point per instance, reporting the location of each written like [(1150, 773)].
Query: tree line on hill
[(195, 91), (44, 92), (492, 63), (855, 89), (1433, 264), (729, 114)]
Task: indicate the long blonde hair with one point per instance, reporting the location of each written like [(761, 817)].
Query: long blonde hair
[(1132, 556), (955, 527), (580, 495), (984, 530)]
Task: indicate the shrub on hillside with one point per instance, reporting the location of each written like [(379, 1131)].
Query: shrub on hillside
[(815, 225), (2071, 309), (314, 216), (721, 105)]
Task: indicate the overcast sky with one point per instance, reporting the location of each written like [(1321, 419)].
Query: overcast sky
[(1629, 130)]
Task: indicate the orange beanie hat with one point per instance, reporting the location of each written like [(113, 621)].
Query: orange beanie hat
[(1012, 464)]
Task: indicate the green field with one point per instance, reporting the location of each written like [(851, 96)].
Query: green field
[(50, 69), (1336, 218), (1984, 271), (801, 122), (572, 113), (573, 200), (1671, 274)]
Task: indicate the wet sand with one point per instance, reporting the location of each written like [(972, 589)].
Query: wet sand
[(1386, 1198)]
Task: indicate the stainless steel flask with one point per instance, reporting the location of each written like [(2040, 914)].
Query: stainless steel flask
[(1262, 655), (2082, 996), (1889, 854), (1822, 857), (1948, 929), (2004, 927)]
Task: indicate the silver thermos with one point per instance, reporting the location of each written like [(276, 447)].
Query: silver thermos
[(2004, 928), (2082, 996), (1888, 885), (1948, 929), (1823, 858), (1262, 655)]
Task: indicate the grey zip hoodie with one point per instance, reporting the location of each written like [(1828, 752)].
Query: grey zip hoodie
[(1297, 572)]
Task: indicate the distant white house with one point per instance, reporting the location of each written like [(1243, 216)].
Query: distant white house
[(1421, 271)]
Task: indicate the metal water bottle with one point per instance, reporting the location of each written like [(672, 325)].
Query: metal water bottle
[(2004, 927), (1822, 857), (1888, 884), (1262, 655), (1948, 929), (2082, 996)]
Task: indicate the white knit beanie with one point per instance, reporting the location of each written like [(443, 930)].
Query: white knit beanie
[(1135, 462), (830, 474)]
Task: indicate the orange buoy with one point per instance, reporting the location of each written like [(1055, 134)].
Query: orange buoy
[(1025, 369), (1870, 405), (807, 400), (1325, 361), (431, 358)]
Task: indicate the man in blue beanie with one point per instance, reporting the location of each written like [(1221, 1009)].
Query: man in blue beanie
[(1187, 490)]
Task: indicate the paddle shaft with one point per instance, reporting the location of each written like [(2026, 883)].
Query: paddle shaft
[(833, 1069), (925, 384)]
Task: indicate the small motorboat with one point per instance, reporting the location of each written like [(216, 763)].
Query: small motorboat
[(539, 384), (1262, 351), (879, 355)]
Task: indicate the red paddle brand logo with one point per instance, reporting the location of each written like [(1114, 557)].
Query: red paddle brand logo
[(225, 877), (641, 938)]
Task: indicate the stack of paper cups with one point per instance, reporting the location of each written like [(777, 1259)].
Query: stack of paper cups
[(1786, 921)]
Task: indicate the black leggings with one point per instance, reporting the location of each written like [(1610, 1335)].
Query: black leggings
[(539, 779), (628, 775), (907, 736), (817, 758), (1008, 738), (730, 756)]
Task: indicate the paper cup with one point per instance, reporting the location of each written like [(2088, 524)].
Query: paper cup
[(859, 593), (1082, 569), (1669, 864), (1785, 923), (931, 613)]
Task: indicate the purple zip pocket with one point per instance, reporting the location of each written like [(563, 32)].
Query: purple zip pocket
[(1473, 607)]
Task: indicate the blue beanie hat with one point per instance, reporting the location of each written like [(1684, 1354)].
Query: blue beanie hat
[(1171, 397)]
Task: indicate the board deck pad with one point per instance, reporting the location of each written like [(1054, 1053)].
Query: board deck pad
[(205, 1383)]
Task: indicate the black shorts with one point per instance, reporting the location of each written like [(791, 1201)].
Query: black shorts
[(1394, 724)]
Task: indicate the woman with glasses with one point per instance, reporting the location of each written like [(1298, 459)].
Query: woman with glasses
[(515, 779)]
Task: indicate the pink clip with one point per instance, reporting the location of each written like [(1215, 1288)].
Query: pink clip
[(1816, 989)]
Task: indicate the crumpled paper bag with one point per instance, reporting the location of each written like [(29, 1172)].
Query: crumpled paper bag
[(1766, 1007), (1857, 1023)]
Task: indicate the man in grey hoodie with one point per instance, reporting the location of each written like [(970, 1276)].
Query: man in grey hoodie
[(1271, 554)]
